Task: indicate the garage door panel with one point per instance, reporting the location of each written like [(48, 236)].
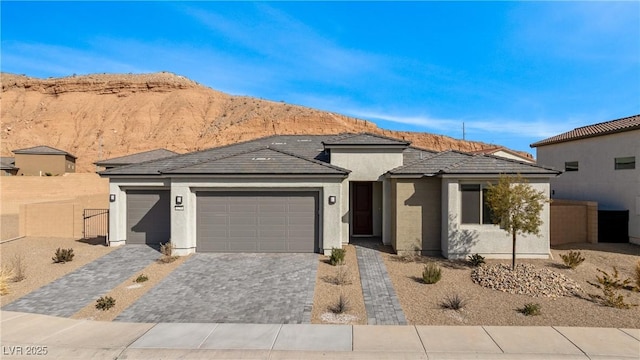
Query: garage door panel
[(257, 221), (148, 217)]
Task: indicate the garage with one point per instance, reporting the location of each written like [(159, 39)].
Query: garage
[(148, 217), (274, 221)]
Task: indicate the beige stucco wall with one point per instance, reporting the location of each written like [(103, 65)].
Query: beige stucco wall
[(183, 222), (508, 155), (597, 180), (573, 222), (459, 240), (60, 218), (39, 165), (368, 164), (18, 190), (416, 216)]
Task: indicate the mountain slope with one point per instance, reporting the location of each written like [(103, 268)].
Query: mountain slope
[(103, 116)]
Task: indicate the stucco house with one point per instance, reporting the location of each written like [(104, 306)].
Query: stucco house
[(43, 160), (599, 161), (311, 193), (7, 166), (135, 158)]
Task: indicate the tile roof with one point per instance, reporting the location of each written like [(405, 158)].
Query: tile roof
[(7, 163), (456, 162), (604, 128), (260, 161), (305, 154), (42, 150), (306, 146), (364, 139), (138, 157)]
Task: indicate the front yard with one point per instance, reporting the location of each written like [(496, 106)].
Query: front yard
[(484, 306)]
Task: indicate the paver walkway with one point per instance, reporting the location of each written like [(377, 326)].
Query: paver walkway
[(72, 292), (232, 288), (380, 300)]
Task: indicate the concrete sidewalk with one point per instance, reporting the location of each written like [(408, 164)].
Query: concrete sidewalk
[(25, 336)]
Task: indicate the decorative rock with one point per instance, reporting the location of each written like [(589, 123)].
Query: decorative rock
[(526, 279)]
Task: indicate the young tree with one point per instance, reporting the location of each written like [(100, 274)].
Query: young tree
[(516, 207)]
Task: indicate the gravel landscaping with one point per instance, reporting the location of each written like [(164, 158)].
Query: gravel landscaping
[(36, 253), (563, 296), (492, 294), (327, 291)]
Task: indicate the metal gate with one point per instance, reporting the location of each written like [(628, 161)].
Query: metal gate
[(96, 224)]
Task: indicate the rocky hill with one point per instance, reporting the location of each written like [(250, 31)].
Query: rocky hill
[(103, 116)]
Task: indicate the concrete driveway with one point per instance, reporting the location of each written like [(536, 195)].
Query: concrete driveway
[(232, 288)]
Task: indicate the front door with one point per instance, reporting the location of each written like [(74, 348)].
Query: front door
[(362, 208)]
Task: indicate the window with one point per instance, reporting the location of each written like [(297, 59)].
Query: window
[(474, 208), (623, 163), (571, 166)]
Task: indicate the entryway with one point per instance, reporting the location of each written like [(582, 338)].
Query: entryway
[(366, 208)]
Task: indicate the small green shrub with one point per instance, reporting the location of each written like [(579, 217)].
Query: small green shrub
[(105, 303), (431, 273), (337, 256), (530, 309), (453, 302), (610, 286), (572, 259), (63, 256), (341, 306), (476, 260), (141, 278)]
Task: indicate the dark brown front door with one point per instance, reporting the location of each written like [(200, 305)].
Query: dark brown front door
[(362, 208)]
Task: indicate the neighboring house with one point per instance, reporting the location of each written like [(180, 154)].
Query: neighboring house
[(135, 158), (7, 166), (505, 153), (44, 160), (311, 193), (600, 164)]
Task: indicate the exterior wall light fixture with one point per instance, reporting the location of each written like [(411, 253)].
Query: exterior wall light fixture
[(178, 200), (112, 197), (332, 200)]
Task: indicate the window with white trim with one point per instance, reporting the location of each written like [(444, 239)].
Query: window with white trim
[(474, 208)]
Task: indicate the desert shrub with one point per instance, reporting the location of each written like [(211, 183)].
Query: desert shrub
[(19, 268), (572, 259), (105, 303), (342, 276), (63, 255), (6, 274), (141, 278), (611, 284), (476, 260), (166, 250), (453, 302), (530, 309), (340, 306), (431, 273), (337, 256), (637, 276)]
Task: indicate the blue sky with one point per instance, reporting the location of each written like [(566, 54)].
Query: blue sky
[(513, 72)]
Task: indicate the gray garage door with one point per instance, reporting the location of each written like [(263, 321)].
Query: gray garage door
[(148, 217), (257, 222)]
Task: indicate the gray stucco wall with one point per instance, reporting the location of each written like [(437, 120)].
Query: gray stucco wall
[(597, 180), (459, 240)]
